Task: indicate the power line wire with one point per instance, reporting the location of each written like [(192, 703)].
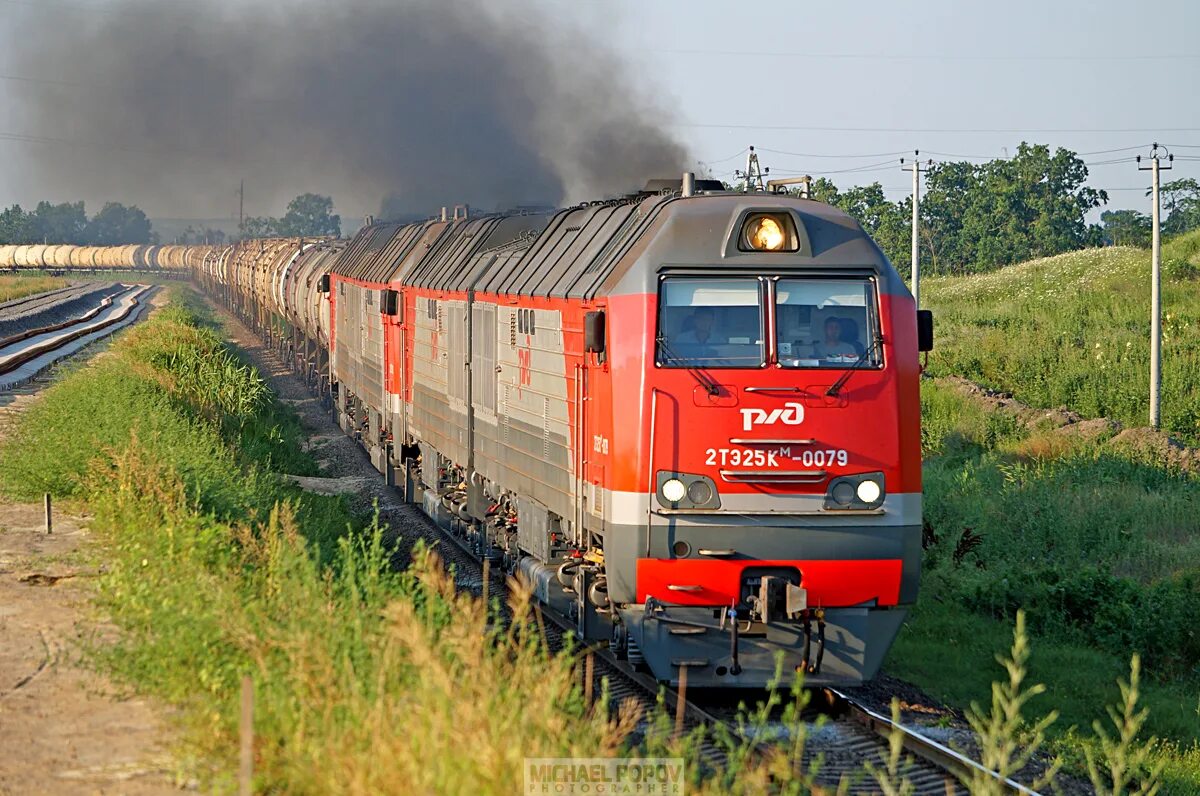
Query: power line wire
[(813, 155), (853, 170), (739, 153), (846, 156), (47, 80), (962, 130), (931, 57), (107, 147)]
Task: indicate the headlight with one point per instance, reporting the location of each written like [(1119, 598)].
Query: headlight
[(768, 232), (857, 492), (843, 493), (685, 491), (699, 492), (765, 234), (868, 491), (673, 490)]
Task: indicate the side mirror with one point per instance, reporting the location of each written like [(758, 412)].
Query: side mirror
[(389, 302), (323, 284), (593, 332), (924, 330)]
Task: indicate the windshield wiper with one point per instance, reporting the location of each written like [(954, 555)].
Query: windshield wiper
[(837, 386), (704, 381)]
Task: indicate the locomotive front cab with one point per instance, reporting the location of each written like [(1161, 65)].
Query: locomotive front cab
[(782, 465), (781, 351)]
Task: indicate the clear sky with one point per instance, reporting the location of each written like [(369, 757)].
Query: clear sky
[(942, 76), (849, 85)]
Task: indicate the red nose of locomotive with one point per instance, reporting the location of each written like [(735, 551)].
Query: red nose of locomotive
[(782, 471), (772, 406)]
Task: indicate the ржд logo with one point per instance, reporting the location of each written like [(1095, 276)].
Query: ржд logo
[(791, 414)]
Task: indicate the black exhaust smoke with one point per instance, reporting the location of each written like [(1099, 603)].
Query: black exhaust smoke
[(413, 104)]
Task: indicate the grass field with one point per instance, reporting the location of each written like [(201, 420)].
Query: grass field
[(18, 286), (1095, 535), (1073, 330)]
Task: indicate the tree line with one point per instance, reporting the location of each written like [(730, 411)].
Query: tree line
[(974, 216), (1180, 209), (981, 216), (114, 225), (308, 215)]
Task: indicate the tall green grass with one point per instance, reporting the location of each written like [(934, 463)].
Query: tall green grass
[(21, 285), (1073, 330), (367, 680)]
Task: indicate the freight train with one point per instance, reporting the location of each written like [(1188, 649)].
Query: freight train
[(66, 258), (690, 418)]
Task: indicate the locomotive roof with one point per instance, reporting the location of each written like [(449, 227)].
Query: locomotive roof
[(587, 250)]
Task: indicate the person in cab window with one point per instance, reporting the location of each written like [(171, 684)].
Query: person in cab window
[(697, 335), (833, 345)]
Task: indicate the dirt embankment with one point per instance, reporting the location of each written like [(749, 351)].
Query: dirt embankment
[(1142, 440)]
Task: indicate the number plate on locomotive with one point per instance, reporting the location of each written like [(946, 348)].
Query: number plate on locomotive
[(757, 457)]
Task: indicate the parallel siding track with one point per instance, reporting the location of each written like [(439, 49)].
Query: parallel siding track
[(25, 353)]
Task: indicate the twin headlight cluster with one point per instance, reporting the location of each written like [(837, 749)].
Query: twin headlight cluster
[(861, 491), (847, 492), (686, 491)]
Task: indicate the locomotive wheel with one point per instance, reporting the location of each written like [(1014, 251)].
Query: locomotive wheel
[(616, 642)]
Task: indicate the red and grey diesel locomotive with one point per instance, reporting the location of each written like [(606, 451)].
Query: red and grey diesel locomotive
[(689, 418)]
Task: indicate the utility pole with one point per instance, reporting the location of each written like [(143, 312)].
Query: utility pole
[(241, 204), (1155, 281), (753, 175), (915, 168)]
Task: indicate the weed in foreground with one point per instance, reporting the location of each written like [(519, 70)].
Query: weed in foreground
[(890, 778), (1006, 742), (1122, 766)]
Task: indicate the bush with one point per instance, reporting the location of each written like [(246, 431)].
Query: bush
[(1091, 606), (1179, 269)]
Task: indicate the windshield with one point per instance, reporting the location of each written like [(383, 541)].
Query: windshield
[(710, 323), (825, 323)]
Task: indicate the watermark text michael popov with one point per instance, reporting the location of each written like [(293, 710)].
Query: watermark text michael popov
[(604, 776)]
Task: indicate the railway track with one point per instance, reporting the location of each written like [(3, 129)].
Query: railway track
[(36, 301), (24, 354), (842, 733)]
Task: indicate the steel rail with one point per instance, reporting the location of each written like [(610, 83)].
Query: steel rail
[(924, 747), (106, 301), (40, 349), (956, 765)]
